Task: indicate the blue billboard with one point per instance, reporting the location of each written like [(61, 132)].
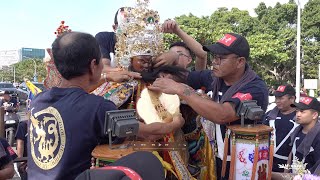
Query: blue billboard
[(27, 53)]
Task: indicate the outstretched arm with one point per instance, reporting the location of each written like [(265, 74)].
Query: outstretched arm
[(170, 26)]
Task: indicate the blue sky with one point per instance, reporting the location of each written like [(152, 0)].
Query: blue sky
[(31, 23)]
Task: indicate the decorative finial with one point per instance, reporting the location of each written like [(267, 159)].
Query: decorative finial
[(62, 28)]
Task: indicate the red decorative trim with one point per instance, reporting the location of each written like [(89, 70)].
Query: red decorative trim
[(242, 96), (11, 151), (129, 172)]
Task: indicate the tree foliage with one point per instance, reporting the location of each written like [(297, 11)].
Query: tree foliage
[(271, 35), (25, 69)]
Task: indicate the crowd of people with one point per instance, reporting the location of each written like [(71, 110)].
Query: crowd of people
[(67, 121)]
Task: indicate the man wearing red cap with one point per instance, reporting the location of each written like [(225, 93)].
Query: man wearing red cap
[(305, 140), (231, 81), (282, 120)]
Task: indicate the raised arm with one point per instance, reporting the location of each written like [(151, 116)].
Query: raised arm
[(170, 26)]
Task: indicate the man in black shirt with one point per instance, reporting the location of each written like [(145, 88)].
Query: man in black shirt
[(67, 122), (282, 120), (231, 81), (305, 140), (11, 100)]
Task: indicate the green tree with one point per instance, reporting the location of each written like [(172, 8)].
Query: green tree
[(310, 30), (26, 69), (311, 20), (6, 74)]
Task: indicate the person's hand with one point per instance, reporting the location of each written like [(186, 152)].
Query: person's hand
[(166, 58), (22, 167), (170, 26), (178, 121), (122, 75), (165, 85)]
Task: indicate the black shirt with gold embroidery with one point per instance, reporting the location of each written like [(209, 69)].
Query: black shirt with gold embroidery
[(66, 125)]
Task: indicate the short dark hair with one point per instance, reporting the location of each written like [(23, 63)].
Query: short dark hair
[(181, 44), (179, 72), (115, 16), (315, 111), (73, 53)]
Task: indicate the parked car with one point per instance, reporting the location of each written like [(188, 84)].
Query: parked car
[(7, 87), (23, 91)]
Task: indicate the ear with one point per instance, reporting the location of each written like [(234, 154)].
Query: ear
[(241, 62), (292, 99), (93, 66), (315, 115), (189, 60)]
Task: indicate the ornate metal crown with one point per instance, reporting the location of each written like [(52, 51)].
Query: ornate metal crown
[(138, 33)]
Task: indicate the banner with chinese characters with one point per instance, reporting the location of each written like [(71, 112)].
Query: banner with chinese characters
[(245, 158)]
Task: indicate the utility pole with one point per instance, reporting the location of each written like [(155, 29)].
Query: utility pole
[(319, 77), (35, 79), (14, 74), (298, 62)]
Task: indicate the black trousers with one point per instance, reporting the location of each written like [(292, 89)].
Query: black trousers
[(219, 169)]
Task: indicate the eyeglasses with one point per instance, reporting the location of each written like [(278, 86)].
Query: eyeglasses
[(181, 54), (218, 59)]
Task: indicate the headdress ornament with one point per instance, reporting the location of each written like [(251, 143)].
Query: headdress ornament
[(62, 28), (138, 34), (53, 78)]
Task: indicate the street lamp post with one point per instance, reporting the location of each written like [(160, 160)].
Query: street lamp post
[(298, 68), (35, 79)]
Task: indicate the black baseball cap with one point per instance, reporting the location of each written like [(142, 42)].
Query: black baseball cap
[(230, 43), (307, 103), (285, 89)]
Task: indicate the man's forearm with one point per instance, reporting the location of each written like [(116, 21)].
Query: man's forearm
[(196, 48), (215, 112), (7, 172), (20, 147)]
